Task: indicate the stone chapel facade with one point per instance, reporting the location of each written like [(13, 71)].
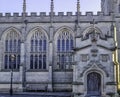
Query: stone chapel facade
[(74, 53)]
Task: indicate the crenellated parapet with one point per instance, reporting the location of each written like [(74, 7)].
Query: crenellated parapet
[(59, 17), (55, 14)]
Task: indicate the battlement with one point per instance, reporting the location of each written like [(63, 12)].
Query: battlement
[(35, 14), (59, 17)]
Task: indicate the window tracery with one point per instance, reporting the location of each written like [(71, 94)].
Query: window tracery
[(12, 47), (64, 49), (38, 50)]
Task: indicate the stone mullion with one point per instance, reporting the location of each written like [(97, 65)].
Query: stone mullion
[(69, 41), (37, 53), (42, 53), (69, 51)]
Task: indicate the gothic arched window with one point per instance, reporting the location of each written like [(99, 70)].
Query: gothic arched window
[(64, 49), (38, 50), (12, 47)]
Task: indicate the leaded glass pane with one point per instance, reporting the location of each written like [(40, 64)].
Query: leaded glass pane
[(6, 61), (44, 62), (31, 62), (58, 45), (40, 62)]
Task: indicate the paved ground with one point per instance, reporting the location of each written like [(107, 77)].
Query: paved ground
[(38, 95), (30, 96), (23, 96)]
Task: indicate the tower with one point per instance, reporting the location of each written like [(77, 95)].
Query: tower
[(108, 6)]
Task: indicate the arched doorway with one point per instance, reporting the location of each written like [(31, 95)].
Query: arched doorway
[(94, 84)]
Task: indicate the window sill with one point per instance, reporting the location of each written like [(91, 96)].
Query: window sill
[(63, 70), (37, 70), (9, 70)]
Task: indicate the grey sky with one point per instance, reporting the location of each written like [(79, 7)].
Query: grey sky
[(44, 5)]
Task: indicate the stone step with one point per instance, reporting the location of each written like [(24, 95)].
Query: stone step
[(92, 96)]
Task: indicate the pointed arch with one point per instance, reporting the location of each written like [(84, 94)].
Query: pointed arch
[(10, 29), (11, 43), (96, 70), (38, 48), (66, 35), (94, 83), (64, 28), (90, 29), (35, 29), (64, 42)]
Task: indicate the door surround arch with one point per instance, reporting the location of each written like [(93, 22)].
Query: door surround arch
[(100, 72), (94, 83)]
